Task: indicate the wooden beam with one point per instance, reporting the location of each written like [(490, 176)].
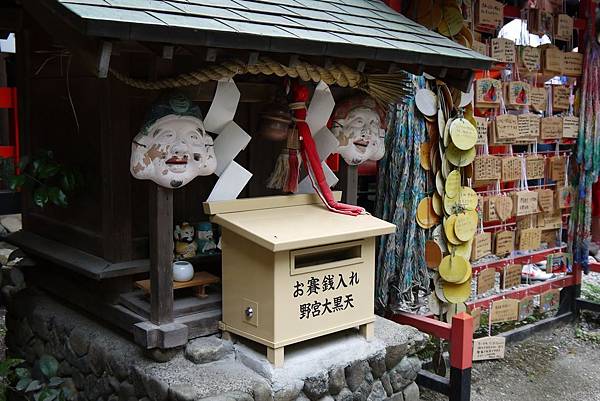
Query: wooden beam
[(161, 254), (104, 59)]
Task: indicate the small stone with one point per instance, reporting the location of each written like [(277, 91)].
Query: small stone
[(396, 397), (377, 392), (79, 380), (385, 380), (363, 391), (126, 391), (40, 328), (394, 354), (317, 386), (344, 395), (355, 374), (95, 359), (207, 349), (377, 365), (92, 387), (65, 369), (114, 384), (12, 223), (181, 392), (262, 392), (290, 392), (397, 381), (409, 368), (302, 397), (79, 341), (161, 355), (16, 277), (337, 380), (156, 389), (411, 393), (326, 398), (119, 367)]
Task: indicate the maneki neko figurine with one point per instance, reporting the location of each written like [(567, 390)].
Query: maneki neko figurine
[(185, 241), (172, 147), (359, 127)]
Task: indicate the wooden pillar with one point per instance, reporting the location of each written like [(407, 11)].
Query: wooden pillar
[(161, 254), (349, 182)]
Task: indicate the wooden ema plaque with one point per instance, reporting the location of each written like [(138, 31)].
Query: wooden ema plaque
[(503, 50), (549, 237), (511, 168), (557, 166), (552, 60), (538, 98), (517, 93), (511, 276), (487, 92), (573, 64), (486, 280), (489, 208), (529, 58), (488, 348), (525, 202), (546, 200), (480, 48), (563, 27), (504, 243), (552, 220), (529, 239), (489, 14), (527, 221), (487, 168), (570, 127), (505, 310), (529, 127), (560, 97), (535, 167), (482, 245), (550, 128), (481, 124), (476, 315), (506, 128), (526, 307), (550, 300)]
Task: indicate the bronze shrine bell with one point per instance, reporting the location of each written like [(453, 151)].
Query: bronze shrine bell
[(293, 270)]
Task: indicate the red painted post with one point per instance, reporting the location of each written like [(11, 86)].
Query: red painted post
[(461, 357)]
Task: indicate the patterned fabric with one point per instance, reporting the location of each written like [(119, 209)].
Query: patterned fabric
[(401, 268), (588, 157)]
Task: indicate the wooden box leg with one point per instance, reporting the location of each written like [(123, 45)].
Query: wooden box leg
[(275, 356), (367, 331), (200, 291)]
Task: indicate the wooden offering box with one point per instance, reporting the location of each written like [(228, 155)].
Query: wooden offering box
[(293, 270)]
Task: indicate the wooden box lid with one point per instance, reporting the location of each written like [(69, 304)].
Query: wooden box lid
[(282, 223)]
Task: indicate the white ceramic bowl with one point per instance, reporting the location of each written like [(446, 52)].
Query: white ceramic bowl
[(183, 271)]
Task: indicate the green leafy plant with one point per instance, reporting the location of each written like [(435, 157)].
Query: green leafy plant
[(7, 375), (49, 181), (49, 388)]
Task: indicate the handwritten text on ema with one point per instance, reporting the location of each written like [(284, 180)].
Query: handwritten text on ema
[(328, 283)]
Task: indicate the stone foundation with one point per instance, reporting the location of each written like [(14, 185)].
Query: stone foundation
[(102, 365)]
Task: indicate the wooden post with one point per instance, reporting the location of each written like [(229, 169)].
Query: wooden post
[(349, 182), (461, 357), (161, 254)]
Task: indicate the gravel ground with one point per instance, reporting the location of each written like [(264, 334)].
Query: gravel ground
[(552, 365)]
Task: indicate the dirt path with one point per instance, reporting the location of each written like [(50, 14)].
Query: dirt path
[(552, 365)]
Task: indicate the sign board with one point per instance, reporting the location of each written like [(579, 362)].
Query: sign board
[(505, 310), (487, 348)]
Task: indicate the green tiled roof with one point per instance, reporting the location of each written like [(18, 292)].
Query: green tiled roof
[(366, 29)]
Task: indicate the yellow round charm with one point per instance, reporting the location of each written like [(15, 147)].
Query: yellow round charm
[(454, 268), (436, 203), (457, 293), (449, 230), (460, 158), (450, 205), (426, 217), (452, 186), (467, 198), (463, 134), (424, 150), (463, 249), (465, 225), (433, 254)]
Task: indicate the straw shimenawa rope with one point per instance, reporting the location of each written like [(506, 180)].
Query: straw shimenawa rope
[(384, 87)]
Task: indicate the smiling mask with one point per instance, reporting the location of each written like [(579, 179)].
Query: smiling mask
[(172, 148), (358, 127)]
